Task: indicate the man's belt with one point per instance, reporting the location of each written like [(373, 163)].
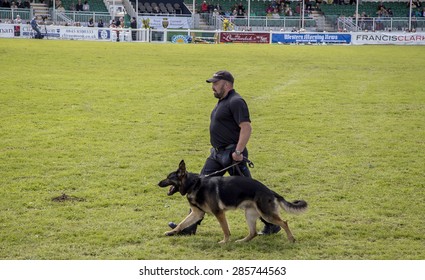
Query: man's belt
[(223, 148)]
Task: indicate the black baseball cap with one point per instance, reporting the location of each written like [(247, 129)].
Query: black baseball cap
[(221, 75)]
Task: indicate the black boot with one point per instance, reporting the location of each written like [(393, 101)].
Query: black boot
[(269, 228), (187, 231)]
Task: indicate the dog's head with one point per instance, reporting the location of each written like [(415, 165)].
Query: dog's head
[(176, 180)]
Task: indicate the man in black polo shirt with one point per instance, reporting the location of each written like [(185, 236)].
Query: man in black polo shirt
[(230, 130)]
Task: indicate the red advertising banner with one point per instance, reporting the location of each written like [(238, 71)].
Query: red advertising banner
[(244, 37)]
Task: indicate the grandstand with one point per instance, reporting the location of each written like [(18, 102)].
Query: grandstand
[(318, 17), (168, 7), (95, 5), (399, 9)]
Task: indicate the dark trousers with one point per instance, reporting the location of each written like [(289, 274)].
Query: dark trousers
[(222, 158), (37, 30)]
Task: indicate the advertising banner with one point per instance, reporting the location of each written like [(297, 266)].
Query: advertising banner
[(311, 38), (388, 38), (245, 37), (7, 30), (158, 22)]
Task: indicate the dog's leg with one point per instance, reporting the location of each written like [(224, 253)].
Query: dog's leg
[(195, 215), (221, 217), (275, 219), (284, 225), (251, 216)]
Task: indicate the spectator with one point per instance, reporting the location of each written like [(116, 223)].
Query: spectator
[(216, 13), (241, 7), (204, 7), (86, 6), (13, 6), (133, 25), (380, 6), (18, 19), (100, 23), (91, 23), (79, 6), (288, 11), (120, 22), (275, 13), (210, 8), (6, 4), (219, 8), (415, 3)]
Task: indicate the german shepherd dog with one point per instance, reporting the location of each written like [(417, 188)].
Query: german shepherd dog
[(218, 194)]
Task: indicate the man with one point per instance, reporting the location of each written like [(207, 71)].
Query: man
[(133, 25), (230, 130), (34, 26)]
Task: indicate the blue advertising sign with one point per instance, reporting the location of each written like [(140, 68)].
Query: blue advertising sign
[(311, 38), (104, 34)]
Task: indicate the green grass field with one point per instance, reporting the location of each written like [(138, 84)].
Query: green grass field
[(342, 127)]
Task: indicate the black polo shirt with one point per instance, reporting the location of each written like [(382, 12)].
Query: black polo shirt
[(225, 119)]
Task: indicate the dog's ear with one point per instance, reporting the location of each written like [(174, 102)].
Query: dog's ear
[(182, 165), (182, 169)]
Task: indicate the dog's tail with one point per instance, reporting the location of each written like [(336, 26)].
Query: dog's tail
[(294, 207)]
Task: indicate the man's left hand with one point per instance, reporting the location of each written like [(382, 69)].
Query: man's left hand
[(237, 157)]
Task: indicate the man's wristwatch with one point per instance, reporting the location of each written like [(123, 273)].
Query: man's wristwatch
[(238, 152)]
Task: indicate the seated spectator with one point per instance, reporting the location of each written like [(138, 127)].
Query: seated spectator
[(60, 8), (269, 10), (13, 6), (210, 8), (219, 8), (91, 23), (289, 12), (79, 6), (18, 19), (86, 6), (240, 13), (100, 23), (241, 7), (275, 13), (380, 6), (71, 6)]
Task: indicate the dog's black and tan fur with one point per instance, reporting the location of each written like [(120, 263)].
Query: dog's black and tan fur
[(218, 194)]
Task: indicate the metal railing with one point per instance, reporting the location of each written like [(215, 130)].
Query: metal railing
[(380, 24), (254, 23), (261, 23), (81, 17), (7, 14)]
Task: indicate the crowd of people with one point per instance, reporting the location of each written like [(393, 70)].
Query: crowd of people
[(25, 4), (19, 4)]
